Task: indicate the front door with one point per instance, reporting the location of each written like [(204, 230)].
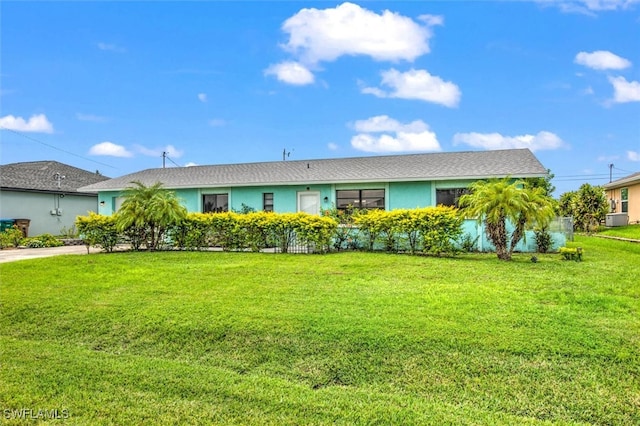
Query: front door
[(309, 202)]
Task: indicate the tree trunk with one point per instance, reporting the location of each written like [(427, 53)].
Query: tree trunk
[(497, 233), (517, 235)]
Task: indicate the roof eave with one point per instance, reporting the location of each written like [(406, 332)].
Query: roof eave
[(327, 182)]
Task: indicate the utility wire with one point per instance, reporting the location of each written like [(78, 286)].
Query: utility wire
[(56, 148), (169, 158), (626, 171)]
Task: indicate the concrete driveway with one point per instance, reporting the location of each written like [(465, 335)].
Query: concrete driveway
[(12, 255)]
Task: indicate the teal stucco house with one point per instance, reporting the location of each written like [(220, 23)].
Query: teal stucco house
[(382, 182), (377, 182)]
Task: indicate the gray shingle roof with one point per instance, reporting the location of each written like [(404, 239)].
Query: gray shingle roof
[(39, 176), (388, 168)]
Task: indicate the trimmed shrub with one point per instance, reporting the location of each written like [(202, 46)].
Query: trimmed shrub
[(543, 240), (432, 230), (11, 237), (571, 253), (316, 231), (98, 231), (41, 241)]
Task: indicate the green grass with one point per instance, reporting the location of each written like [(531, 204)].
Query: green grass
[(348, 338), (629, 231)]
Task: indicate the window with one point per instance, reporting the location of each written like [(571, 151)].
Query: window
[(360, 198), (215, 203), (624, 200), (450, 197), (267, 201)]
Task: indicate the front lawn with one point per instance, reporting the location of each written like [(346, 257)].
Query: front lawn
[(629, 231), (345, 338)]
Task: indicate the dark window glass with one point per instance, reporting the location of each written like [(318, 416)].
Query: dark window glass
[(267, 201), (360, 198), (450, 197), (372, 199), (215, 203), (624, 200)]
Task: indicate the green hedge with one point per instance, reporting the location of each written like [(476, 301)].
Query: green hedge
[(254, 231), (431, 230)]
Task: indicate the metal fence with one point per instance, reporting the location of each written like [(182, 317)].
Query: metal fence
[(563, 225)]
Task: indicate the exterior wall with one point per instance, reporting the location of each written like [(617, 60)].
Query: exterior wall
[(409, 195), (37, 207), (398, 195), (633, 200), (285, 198), (473, 228), (106, 202)]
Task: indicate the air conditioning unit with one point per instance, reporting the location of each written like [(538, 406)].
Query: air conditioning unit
[(616, 219)]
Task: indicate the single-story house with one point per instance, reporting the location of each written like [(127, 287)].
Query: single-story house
[(382, 182), (624, 200), (45, 195), (386, 182)]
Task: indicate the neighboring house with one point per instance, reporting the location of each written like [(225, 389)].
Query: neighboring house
[(385, 182), (45, 193), (624, 200), (378, 182)]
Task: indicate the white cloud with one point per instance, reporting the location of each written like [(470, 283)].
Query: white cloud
[(91, 117), (110, 149), (202, 97), (588, 91), (607, 158), (217, 122), (416, 84), (625, 91), (492, 141), (325, 35), (633, 155), (401, 142), (332, 146), (111, 47), (432, 20), (589, 6), (602, 60), (157, 152), (37, 124), (384, 123), (190, 164), (291, 72), (384, 134)]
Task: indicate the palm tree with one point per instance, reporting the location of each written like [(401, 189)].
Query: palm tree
[(147, 212), (505, 203)]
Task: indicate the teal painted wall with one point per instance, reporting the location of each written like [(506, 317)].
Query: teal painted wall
[(409, 195), (528, 244), (106, 202), (285, 198), (398, 195), (190, 198)]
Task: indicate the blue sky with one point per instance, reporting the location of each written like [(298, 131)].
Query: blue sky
[(112, 85)]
